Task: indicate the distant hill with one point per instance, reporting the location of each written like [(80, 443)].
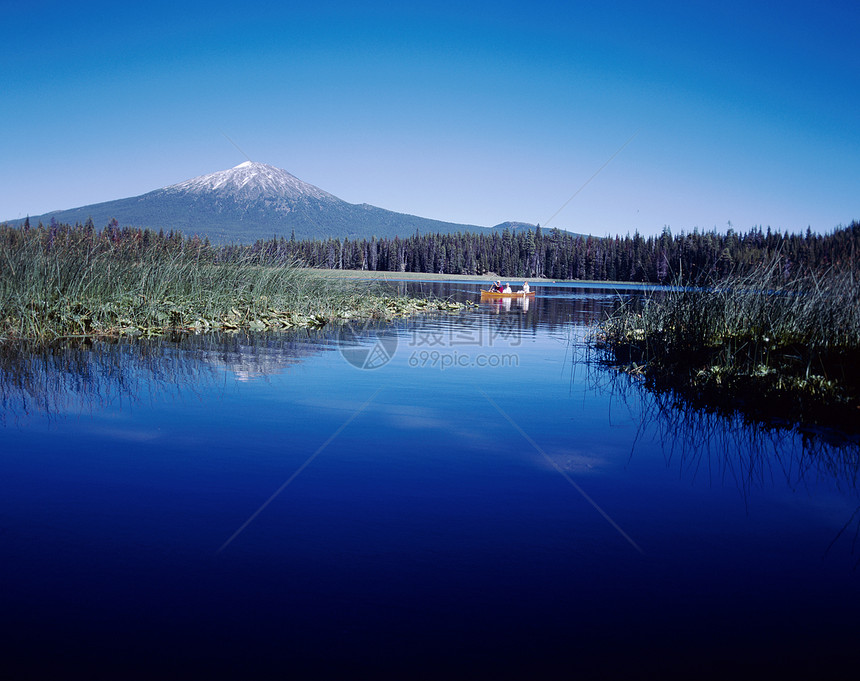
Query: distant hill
[(254, 201), (513, 226)]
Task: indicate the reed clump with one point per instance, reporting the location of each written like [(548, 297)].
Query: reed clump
[(756, 342), (67, 282)]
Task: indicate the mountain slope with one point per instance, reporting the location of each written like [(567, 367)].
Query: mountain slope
[(249, 202)]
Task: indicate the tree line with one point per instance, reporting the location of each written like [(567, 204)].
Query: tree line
[(555, 254), (689, 257)]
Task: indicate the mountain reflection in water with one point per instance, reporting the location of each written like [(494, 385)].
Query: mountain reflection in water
[(90, 375)]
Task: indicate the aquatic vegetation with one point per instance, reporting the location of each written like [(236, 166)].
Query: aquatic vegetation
[(68, 282), (758, 343)]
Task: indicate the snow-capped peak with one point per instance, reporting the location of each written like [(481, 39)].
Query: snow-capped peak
[(250, 181)]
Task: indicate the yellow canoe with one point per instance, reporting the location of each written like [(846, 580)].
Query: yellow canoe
[(512, 294)]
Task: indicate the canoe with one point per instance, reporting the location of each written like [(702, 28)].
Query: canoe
[(512, 294)]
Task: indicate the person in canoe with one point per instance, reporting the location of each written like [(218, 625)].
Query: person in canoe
[(495, 287), (525, 288), (507, 288)]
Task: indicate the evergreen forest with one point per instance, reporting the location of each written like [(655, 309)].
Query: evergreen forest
[(686, 257)]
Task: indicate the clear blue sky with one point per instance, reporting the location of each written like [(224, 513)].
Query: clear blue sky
[(742, 112)]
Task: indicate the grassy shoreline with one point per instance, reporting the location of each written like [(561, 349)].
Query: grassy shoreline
[(768, 348), (80, 285)]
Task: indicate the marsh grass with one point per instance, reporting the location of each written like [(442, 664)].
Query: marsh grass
[(74, 283), (753, 342)]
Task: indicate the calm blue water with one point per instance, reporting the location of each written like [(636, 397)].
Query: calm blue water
[(485, 502)]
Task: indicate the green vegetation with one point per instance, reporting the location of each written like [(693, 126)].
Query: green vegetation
[(414, 276), (63, 282), (690, 258), (755, 343)]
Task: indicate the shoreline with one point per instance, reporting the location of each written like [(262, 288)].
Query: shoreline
[(256, 316), (375, 275), (758, 346)]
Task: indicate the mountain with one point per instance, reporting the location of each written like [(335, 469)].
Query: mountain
[(513, 226), (249, 202)]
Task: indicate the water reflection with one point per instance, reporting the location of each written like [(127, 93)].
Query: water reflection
[(83, 377), (554, 306), (731, 450), (75, 377), (730, 446), (428, 521), (498, 305)]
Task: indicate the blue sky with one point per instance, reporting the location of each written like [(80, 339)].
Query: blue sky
[(739, 112)]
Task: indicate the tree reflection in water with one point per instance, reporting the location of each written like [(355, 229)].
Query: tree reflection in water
[(730, 448), (76, 377)]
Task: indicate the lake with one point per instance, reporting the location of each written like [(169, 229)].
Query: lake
[(457, 496)]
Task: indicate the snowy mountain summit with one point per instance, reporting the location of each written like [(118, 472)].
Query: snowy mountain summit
[(250, 202), (250, 181)]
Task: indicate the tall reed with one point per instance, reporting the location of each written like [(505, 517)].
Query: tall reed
[(74, 282), (749, 337)]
